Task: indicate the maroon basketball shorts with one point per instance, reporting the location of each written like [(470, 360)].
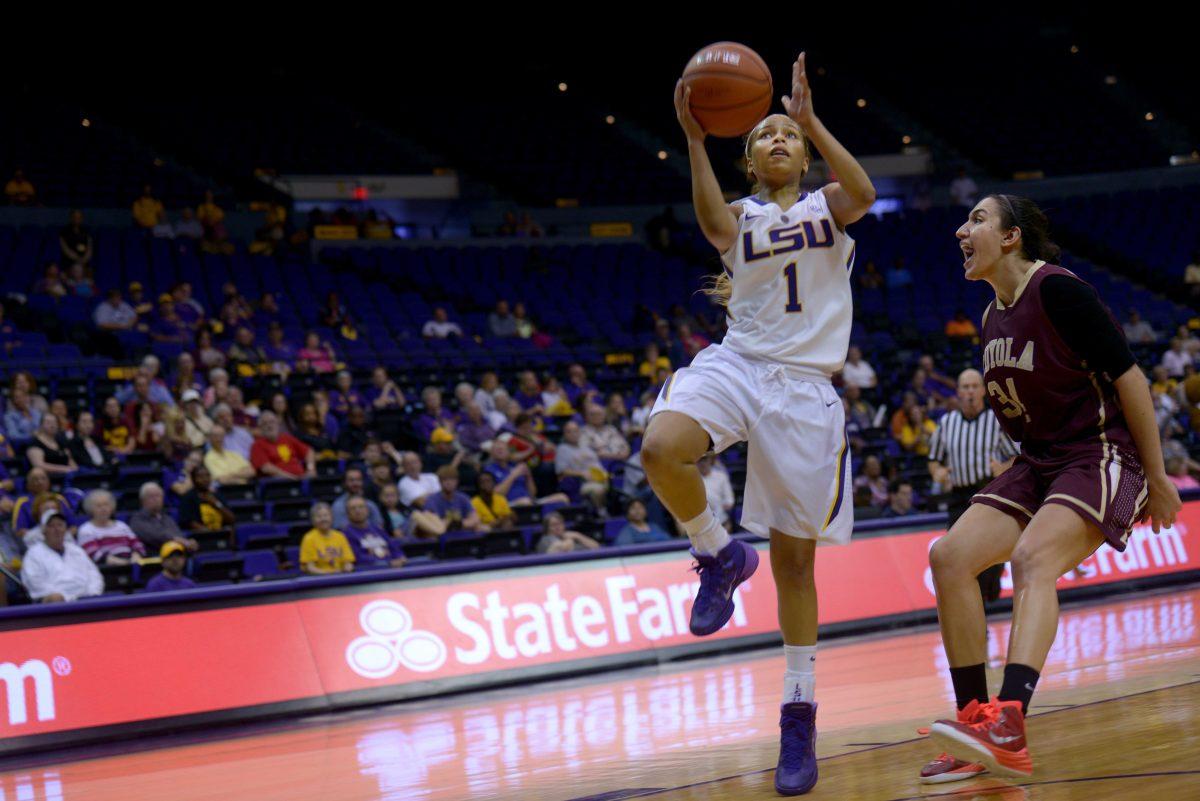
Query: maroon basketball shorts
[(1100, 481)]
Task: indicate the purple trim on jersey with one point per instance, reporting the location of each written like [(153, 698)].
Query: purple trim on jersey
[(756, 200), (841, 479), (850, 261)]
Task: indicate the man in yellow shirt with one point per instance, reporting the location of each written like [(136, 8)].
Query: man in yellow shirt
[(324, 549), (147, 209), (226, 466)]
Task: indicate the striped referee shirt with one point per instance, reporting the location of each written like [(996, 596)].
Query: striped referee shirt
[(967, 447)]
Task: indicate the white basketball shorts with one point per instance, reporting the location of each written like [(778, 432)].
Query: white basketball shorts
[(798, 472)]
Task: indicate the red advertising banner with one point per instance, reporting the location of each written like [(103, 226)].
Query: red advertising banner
[(82, 675)]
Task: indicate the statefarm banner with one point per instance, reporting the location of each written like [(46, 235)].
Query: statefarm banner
[(405, 638)]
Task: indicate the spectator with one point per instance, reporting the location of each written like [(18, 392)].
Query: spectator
[(602, 437), (55, 570), (345, 396), (501, 323), (579, 469), (860, 412), (196, 423), (384, 394), (416, 486), (147, 209), (578, 386), (874, 481), (200, 509), (898, 277), (79, 284), (529, 393), (88, 453), (557, 539), (318, 354), (451, 506), (717, 488), (114, 314), (244, 351), (441, 327), (23, 380), (1137, 330), (312, 433), (368, 539), (24, 515), (529, 227), (1191, 278), (141, 304), (917, 432), (226, 466), (963, 190), (238, 439), (19, 190), (528, 446), (212, 218), (692, 342), (188, 227), (325, 549), (47, 451), (58, 408), (441, 450), (485, 396), (857, 372), (871, 279), (175, 444), (147, 432), (394, 517), (114, 429), (103, 539), (142, 390), (1176, 360), (174, 560), (21, 420), (492, 508), (554, 398), (279, 455), (641, 415), (75, 241), (474, 433), (186, 306), (900, 416), (616, 414), (243, 415), (525, 327), (434, 416), (51, 282), (961, 327), (152, 525), (208, 356), (353, 486), (900, 500), (936, 383), (638, 529), (167, 326)]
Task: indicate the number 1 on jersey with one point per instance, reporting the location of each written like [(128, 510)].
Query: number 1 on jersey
[(793, 299)]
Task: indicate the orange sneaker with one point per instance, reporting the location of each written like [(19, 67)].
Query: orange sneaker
[(947, 768), (996, 738)]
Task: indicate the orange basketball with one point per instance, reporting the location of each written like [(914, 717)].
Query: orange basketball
[(731, 88)]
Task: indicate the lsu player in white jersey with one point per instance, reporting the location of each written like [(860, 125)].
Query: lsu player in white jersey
[(786, 284)]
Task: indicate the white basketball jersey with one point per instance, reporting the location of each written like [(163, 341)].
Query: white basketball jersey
[(791, 285)]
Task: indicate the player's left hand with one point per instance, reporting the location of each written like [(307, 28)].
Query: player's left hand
[(799, 103), (1163, 505)]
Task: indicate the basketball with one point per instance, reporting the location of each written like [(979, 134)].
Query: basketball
[(731, 88)]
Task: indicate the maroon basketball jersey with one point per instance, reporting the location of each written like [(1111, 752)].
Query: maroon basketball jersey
[(1041, 391)]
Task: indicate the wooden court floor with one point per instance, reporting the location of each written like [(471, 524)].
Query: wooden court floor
[(1117, 715)]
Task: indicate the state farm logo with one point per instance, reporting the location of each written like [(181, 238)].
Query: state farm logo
[(15, 677), (390, 642)]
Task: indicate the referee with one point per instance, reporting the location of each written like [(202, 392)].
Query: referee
[(967, 451)]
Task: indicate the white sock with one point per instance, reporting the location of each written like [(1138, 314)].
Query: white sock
[(799, 677), (707, 535)]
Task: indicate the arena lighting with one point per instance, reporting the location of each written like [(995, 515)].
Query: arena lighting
[(907, 139), (610, 119), (1110, 80), (360, 193), (1149, 116), (662, 155), (86, 123), (861, 103), (1074, 49), (562, 87)]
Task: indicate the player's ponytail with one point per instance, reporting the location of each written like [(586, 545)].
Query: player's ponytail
[(719, 288), (1021, 212)]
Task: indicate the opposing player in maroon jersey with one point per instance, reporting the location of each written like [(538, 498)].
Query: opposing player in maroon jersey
[(1062, 382)]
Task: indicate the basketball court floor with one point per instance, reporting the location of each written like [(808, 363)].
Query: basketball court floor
[(1117, 715)]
